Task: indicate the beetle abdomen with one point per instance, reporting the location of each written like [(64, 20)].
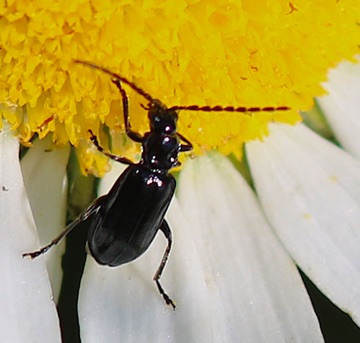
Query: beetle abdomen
[(125, 227)]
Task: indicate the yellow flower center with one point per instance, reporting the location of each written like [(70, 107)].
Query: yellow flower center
[(229, 53)]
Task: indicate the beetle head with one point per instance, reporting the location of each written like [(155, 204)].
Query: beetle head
[(162, 120)]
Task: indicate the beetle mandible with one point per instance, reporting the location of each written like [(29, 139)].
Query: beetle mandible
[(124, 222)]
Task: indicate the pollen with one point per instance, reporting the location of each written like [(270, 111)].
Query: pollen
[(205, 53)]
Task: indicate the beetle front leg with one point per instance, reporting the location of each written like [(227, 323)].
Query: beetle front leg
[(136, 137), (185, 147), (165, 228)]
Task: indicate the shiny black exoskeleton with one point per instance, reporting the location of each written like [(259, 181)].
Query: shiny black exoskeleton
[(124, 222), (130, 215)]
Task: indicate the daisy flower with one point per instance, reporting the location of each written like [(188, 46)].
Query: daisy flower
[(238, 244)]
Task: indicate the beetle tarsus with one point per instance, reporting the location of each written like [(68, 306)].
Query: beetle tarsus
[(167, 299), (39, 252)]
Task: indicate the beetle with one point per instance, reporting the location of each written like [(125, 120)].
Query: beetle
[(124, 222)]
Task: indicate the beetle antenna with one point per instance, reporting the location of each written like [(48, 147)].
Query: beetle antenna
[(121, 78), (186, 108), (229, 108)]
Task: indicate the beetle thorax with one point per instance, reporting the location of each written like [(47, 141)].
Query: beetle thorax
[(160, 152)]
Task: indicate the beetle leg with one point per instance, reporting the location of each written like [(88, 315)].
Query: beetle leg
[(116, 158), (185, 147), (83, 216), (131, 134), (165, 228)]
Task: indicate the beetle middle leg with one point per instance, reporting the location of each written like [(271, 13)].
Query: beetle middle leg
[(116, 158), (165, 228)]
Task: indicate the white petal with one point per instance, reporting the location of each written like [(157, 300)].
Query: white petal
[(123, 304), (254, 288), (216, 299), (342, 105), (44, 174), (27, 311), (310, 191)]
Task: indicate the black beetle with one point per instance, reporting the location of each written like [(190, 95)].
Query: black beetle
[(124, 222)]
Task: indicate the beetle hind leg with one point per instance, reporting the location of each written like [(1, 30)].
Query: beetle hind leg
[(167, 232), (83, 217)]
